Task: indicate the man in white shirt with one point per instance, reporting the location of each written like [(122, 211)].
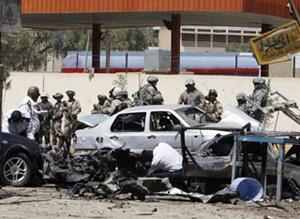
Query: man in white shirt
[(29, 105), (17, 122), (166, 161)]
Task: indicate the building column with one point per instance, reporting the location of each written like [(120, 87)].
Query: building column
[(265, 68), (96, 47), (175, 43)]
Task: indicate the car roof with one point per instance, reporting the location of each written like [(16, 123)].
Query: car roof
[(154, 107)]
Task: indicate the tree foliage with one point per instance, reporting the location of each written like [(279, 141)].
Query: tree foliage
[(29, 50)]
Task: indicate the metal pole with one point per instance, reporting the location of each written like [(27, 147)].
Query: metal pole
[(108, 49), (236, 64), (234, 158), (86, 53), (77, 60), (280, 162), (294, 66), (126, 63), (175, 43), (263, 170)]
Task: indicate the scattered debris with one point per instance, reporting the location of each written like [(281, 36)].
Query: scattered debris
[(101, 174)]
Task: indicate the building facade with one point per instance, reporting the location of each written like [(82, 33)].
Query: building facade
[(210, 38)]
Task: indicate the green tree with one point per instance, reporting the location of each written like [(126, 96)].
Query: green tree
[(133, 39), (28, 50)]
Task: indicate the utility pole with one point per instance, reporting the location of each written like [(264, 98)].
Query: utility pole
[(1, 84)]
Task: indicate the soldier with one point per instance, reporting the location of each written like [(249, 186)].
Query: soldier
[(119, 102), (213, 106), (260, 97), (192, 96), (149, 94), (63, 128), (73, 105), (45, 121), (57, 114), (125, 99), (103, 102), (242, 102)]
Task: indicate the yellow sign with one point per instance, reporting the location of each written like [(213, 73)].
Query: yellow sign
[(277, 45)]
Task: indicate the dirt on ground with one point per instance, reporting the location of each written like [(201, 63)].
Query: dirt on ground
[(51, 202)]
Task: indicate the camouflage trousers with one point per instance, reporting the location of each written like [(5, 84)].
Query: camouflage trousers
[(44, 133)]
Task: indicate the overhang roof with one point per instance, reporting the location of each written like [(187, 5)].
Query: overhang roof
[(58, 14)]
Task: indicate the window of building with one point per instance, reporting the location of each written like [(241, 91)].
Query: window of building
[(247, 39), (219, 31), (234, 31), (250, 31), (188, 39), (188, 29), (204, 40), (204, 30), (130, 122), (219, 41), (234, 39)]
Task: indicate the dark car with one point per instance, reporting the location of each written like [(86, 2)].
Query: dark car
[(20, 160)]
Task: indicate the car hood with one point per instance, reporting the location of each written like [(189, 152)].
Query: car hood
[(93, 120), (235, 118)]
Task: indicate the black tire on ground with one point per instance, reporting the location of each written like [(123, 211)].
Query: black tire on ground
[(16, 170)]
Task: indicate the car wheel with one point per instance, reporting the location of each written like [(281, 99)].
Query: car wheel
[(16, 170)]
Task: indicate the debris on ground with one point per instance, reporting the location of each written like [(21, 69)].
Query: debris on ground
[(101, 174)]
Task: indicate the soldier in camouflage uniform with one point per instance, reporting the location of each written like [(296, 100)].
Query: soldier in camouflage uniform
[(192, 96), (119, 102), (45, 129), (149, 94), (103, 102), (242, 102), (57, 114), (213, 106), (260, 97), (73, 105), (63, 129)]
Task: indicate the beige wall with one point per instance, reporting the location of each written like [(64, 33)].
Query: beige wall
[(170, 85), (282, 69)]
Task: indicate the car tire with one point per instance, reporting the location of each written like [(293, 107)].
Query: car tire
[(16, 170)]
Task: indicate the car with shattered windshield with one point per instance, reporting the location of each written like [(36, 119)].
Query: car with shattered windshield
[(143, 127), (21, 160)]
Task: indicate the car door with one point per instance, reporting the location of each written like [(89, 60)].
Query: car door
[(164, 127), (128, 131)]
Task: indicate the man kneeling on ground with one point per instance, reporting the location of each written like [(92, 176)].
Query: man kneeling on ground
[(165, 162)]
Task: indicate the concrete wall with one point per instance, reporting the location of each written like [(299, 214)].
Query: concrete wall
[(170, 85), (282, 69)]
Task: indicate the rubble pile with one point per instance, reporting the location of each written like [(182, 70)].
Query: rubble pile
[(97, 174), (109, 174)]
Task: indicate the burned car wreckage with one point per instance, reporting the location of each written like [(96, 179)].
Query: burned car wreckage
[(207, 147)]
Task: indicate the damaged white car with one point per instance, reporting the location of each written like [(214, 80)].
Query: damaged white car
[(142, 128)]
